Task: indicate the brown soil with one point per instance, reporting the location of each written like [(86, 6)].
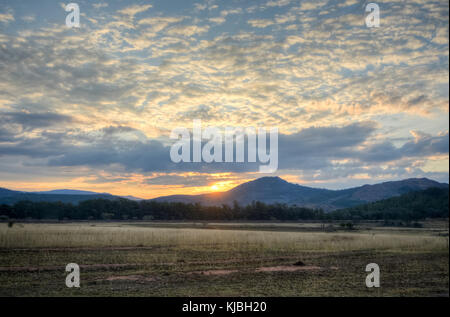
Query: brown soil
[(214, 272), (287, 268), (134, 278)]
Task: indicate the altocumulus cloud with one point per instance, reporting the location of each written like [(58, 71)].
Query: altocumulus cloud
[(107, 94)]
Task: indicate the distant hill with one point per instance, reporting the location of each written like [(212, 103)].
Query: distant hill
[(8, 192), (82, 192), (10, 197), (276, 190), (428, 203), (68, 192), (74, 196), (131, 198)]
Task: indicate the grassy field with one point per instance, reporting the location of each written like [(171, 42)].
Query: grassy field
[(222, 259)]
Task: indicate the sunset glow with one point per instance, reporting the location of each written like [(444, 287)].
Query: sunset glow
[(93, 107)]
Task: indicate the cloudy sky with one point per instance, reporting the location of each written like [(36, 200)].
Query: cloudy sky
[(92, 107)]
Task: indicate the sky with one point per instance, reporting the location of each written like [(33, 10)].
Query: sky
[(92, 108)]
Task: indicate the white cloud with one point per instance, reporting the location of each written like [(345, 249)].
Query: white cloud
[(135, 9), (218, 20), (188, 30), (278, 3), (441, 36), (260, 23), (6, 17), (29, 18), (100, 5)]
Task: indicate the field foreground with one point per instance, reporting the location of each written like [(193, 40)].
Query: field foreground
[(222, 259)]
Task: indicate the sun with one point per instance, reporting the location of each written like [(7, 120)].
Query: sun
[(214, 187)]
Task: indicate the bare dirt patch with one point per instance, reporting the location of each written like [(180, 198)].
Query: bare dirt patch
[(133, 278), (334, 268), (214, 272), (287, 268), (123, 278), (280, 268)]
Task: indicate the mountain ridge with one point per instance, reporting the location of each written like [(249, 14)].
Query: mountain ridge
[(277, 190), (68, 192), (268, 189)]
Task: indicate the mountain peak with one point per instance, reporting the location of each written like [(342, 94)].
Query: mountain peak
[(270, 179), (263, 182)]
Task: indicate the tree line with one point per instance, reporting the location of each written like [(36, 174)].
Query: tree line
[(430, 203), (122, 209)]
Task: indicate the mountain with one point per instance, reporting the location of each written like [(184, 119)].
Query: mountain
[(276, 190), (74, 196), (10, 197), (131, 198), (82, 192), (8, 192), (265, 189), (68, 192), (428, 203)]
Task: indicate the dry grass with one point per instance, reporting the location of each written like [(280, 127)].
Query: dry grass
[(115, 235), (147, 259)]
